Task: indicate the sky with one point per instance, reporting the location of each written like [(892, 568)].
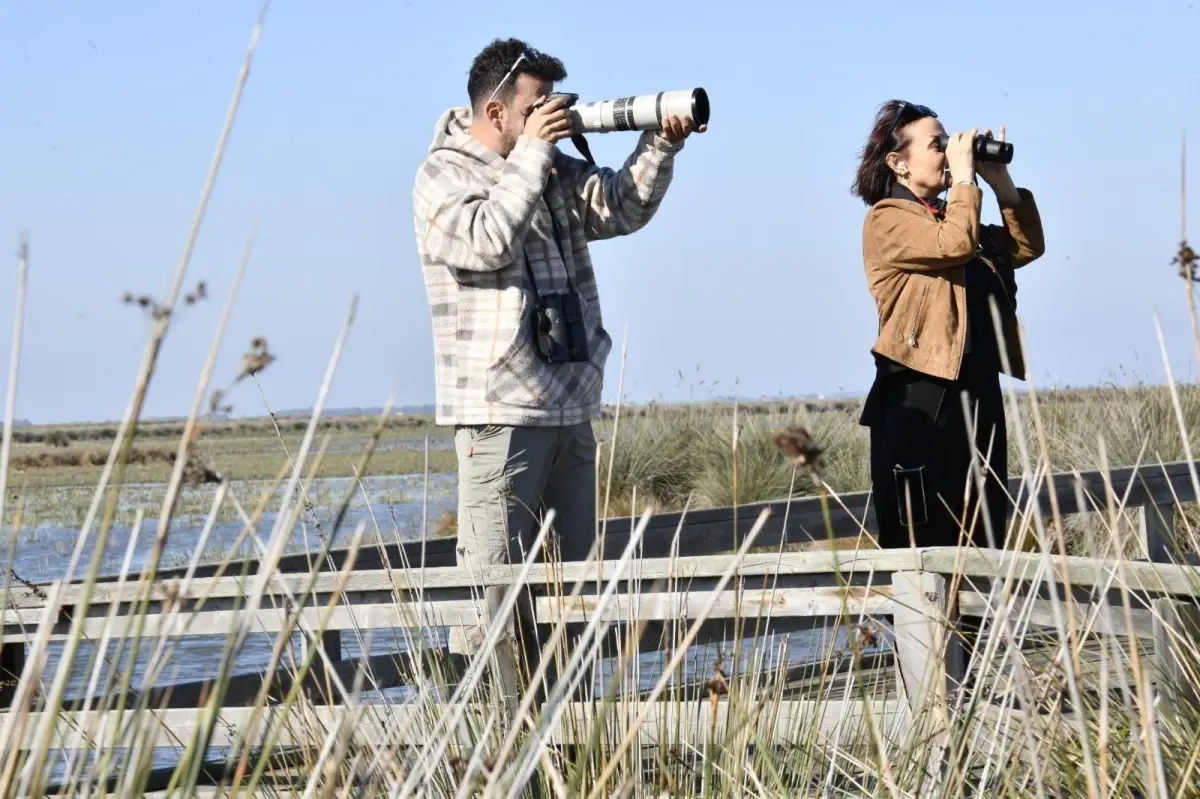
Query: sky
[(749, 281)]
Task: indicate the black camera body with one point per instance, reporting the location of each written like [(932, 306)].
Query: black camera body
[(559, 330), (572, 98), (986, 148)]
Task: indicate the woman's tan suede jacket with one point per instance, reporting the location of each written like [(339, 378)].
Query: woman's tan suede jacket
[(915, 269)]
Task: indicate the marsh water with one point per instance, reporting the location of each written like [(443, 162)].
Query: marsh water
[(392, 508)]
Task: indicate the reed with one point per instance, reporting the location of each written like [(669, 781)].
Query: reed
[(630, 712)]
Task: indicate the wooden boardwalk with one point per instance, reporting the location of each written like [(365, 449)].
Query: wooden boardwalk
[(795, 578)]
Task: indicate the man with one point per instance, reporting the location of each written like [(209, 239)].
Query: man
[(502, 218)]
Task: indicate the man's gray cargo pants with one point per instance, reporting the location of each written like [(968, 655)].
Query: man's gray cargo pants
[(507, 478)]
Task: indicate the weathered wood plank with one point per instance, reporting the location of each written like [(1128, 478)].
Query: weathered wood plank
[(1158, 578), (19, 616), (396, 580), (751, 604), (408, 725), (1152, 577), (1156, 532), (922, 626), (220, 622), (435, 551), (1040, 612), (1175, 627), (380, 673)]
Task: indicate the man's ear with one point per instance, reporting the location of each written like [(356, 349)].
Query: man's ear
[(492, 112)]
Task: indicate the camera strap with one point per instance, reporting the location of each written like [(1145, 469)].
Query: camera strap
[(562, 256), (581, 144)]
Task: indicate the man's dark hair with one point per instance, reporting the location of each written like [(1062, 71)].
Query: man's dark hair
[(494, 62), (873, 176)]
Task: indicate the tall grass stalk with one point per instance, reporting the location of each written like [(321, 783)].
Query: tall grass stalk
[(1063, 626)]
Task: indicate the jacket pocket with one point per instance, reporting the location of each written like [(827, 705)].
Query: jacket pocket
[(913, 332), (520, 378)]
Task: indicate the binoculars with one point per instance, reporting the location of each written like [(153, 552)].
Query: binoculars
[(986, 149)]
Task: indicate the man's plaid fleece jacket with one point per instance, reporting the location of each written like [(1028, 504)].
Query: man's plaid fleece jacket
[(477, 215)]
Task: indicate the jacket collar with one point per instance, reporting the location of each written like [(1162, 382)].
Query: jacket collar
[(900, 192)]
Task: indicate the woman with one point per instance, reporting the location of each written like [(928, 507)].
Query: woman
[(931, 268)]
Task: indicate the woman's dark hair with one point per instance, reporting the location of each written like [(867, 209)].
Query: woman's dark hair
[(871, 180)]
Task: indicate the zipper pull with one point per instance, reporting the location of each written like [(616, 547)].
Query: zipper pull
[(912, 339)]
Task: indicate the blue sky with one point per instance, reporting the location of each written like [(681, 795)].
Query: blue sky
[(750, 277)]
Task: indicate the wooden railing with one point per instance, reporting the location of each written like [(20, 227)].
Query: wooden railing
[(914, 594)]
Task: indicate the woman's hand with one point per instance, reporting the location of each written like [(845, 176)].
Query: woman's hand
[(996, 175), (960, 156)]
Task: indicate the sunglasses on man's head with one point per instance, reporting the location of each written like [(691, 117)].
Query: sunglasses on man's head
[(529, 54), (921, 110)]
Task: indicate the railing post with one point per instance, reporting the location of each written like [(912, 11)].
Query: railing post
[(1176, 623), (1176, 638), (921, 623), (1156, 531)]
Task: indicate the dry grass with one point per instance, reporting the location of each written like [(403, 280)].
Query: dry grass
[(455, 735), (235, 458)]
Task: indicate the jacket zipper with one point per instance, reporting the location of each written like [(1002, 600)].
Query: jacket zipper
[(912, 333)]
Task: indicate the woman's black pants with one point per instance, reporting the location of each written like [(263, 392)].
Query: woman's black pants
[(921, 458), (921, 463)]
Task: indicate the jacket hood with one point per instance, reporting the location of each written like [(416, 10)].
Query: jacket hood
[(453, 132)]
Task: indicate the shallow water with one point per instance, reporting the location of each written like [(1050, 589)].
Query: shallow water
[(392, 507)]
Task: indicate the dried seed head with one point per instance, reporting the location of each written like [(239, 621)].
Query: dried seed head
[(143, 301), (253, 363), (170, 593), (798, 445), (201, 289), (1187, 261), (864, 635), (127, 298), (258, 344), (719, 684)]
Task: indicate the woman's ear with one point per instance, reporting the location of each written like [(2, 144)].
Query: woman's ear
[(895, 164)]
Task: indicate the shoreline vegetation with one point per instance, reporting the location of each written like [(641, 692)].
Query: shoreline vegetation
[(664, 447), (666, 451), (667, 456)]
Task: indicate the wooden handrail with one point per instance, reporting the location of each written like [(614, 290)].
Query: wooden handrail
[(452, 583), (385, 585)]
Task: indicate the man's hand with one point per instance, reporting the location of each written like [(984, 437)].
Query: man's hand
[(551, 122), (676, 130)]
